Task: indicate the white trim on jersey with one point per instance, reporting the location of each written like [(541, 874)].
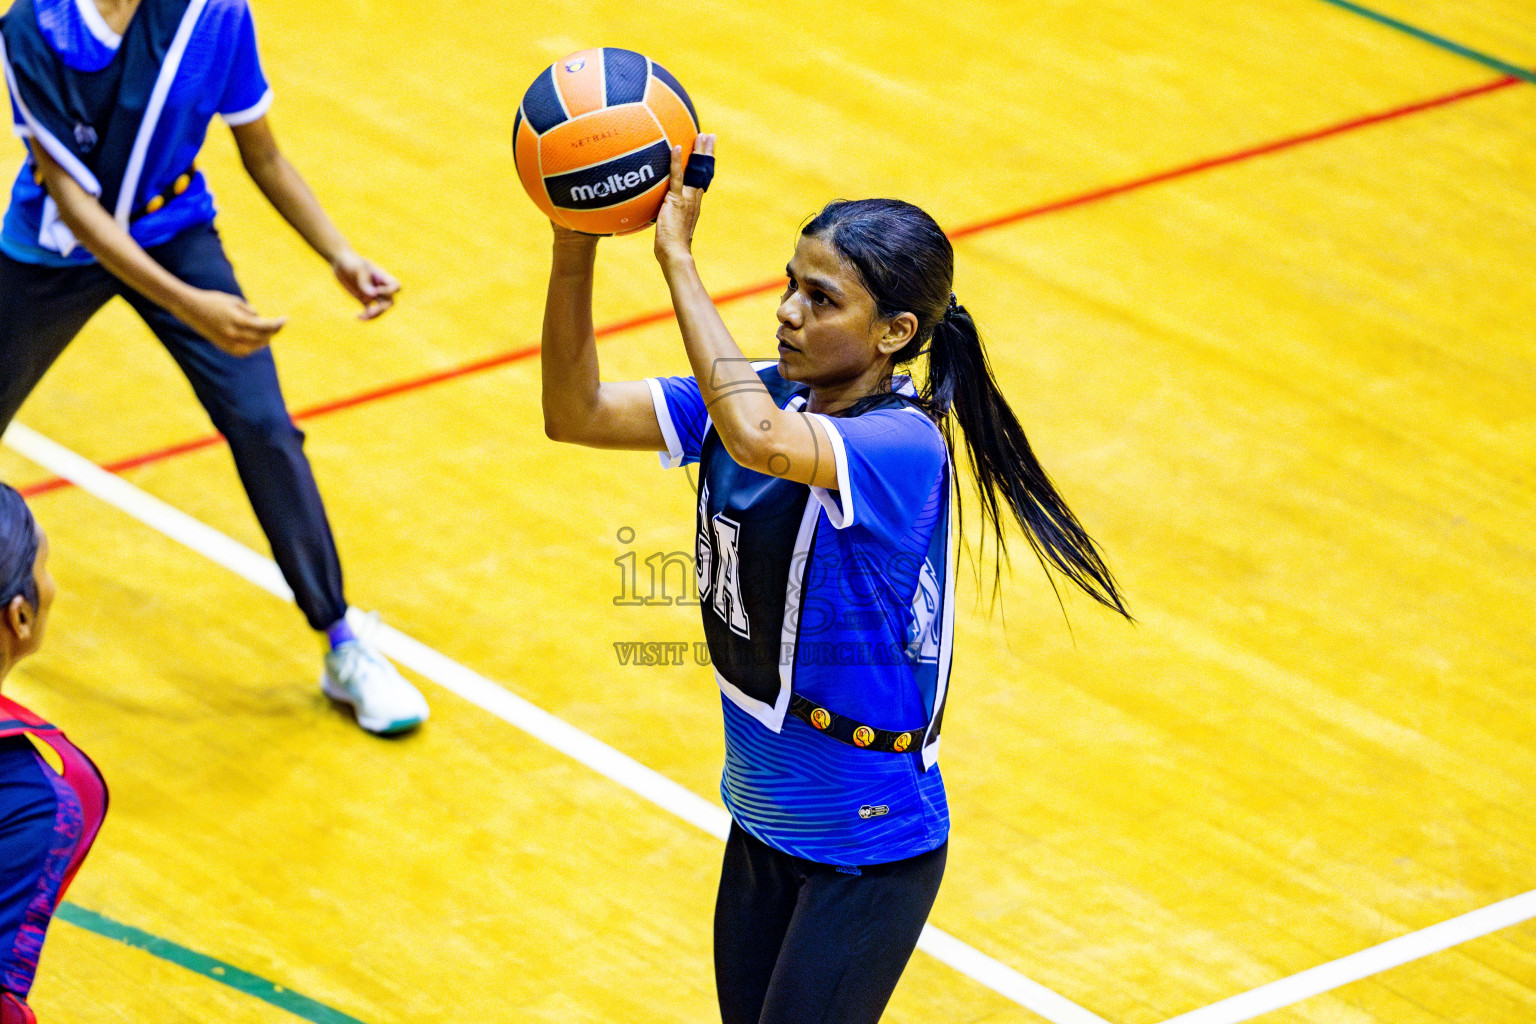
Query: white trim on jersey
[(794, 601), (251, 113), (947, 630), (843, 513), (673, 456), (98, 25), (35, 129), (53, 234), (772, 715), (842, 516), (152, 112)]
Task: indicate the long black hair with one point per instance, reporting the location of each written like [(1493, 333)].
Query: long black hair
[(908, 266), (19, 539)]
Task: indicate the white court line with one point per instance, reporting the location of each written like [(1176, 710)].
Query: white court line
[(480, 691), (1356, 966), (710, 818)]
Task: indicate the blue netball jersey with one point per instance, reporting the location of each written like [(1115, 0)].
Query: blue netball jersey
[(126, 114), (844, 597)]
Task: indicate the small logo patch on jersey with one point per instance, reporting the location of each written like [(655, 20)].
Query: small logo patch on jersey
[(873, 810), (85, 136), (863, 736), (821, 718), (901, 742), (574, 66)]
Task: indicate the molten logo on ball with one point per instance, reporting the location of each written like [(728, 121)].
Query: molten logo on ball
[(612, 185), (593, 138)]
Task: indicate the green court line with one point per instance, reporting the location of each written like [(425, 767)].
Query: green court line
[(207, 966), (1434, 40)]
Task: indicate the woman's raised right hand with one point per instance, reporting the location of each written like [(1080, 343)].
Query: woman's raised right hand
[(229, 322)]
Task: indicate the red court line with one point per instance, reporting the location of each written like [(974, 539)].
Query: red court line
[(965, 231)]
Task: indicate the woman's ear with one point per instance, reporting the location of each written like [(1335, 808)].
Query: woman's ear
[(899, 330), (18, 619)]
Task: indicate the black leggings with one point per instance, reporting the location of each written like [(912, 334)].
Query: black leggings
[(798, 942), (43, 308)]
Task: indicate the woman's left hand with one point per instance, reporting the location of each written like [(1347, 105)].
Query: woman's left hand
[(680, 210), (367, 282)]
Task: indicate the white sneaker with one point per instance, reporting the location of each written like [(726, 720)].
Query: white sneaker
[(383, 700)]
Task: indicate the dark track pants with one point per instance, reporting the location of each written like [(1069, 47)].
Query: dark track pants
[(43, 308), (798, 942)]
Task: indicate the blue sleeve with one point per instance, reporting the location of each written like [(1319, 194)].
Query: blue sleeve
[(888, 463), (684, 420), (247, 96)]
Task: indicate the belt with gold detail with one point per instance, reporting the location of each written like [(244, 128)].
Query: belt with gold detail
[(156, 203), (846, 730)]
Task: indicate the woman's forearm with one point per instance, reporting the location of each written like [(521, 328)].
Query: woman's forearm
[(115, 249), (738, 401), (291, 197), (286, 190), (569, 353)]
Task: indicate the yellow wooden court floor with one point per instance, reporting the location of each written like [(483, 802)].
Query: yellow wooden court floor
[(1286, 375)]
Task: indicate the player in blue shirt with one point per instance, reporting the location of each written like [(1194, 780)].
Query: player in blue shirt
[(113, 99), (825, 556)]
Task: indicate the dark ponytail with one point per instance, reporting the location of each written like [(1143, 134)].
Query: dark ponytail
[(19, 539), (907, 264)]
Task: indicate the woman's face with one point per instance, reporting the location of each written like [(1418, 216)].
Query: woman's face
[(26, 625), (830, 332)]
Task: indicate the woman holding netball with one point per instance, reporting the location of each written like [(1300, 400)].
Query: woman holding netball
[(52, 799), (826, 574)]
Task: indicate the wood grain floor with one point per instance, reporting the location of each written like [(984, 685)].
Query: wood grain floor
[(1293, 396)]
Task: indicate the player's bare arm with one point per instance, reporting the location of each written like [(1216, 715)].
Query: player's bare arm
[(227, 321), (290, 196), (755, 431), (579, 408)]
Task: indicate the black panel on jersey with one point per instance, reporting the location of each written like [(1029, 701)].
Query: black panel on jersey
[(677, 87), (625, 75), (542, 103), (768, 511)]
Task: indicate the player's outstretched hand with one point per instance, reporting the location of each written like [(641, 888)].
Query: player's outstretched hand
[(229, 322), (680, 210), (367, 282)]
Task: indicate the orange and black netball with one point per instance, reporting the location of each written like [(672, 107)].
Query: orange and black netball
[(593, 139)]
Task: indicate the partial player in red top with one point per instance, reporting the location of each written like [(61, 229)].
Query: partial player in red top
[(52, 798)]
